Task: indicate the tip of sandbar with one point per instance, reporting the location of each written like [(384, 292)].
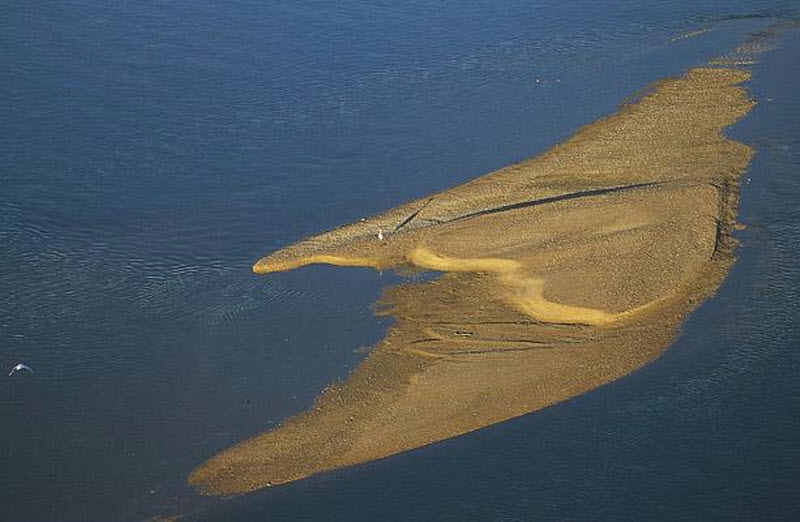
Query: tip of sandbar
[(261, 267)]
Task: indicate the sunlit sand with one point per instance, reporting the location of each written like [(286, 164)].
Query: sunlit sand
[(559, 274)]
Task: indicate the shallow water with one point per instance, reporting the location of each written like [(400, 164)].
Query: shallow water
[(152, 152)]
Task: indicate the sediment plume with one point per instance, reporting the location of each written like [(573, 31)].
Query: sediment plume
[(559, 274)]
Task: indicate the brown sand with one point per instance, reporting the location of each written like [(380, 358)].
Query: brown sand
[(561, 273)]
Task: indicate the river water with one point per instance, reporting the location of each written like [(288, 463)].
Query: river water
[(151, 152)]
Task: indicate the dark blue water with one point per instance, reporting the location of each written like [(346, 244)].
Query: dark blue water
[(150, 152)]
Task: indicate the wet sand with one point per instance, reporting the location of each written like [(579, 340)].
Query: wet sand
[(560, 274)]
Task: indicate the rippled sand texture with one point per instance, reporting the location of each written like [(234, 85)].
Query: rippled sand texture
[(561, 273)]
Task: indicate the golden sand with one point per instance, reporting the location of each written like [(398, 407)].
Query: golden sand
[(560, 274)]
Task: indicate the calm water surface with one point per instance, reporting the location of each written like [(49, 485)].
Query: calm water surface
[(152, 151)]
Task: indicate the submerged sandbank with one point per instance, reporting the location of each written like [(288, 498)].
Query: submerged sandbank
[(560, 274)]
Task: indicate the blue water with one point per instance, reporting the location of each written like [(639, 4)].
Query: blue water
[(150, 152)]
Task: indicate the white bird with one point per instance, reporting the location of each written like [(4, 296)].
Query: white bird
[(380, 234), (19, 368)]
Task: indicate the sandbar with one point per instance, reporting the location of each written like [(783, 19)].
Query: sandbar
[(558, 274)]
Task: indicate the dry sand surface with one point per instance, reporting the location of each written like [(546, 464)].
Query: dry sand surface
[(559, 274)]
